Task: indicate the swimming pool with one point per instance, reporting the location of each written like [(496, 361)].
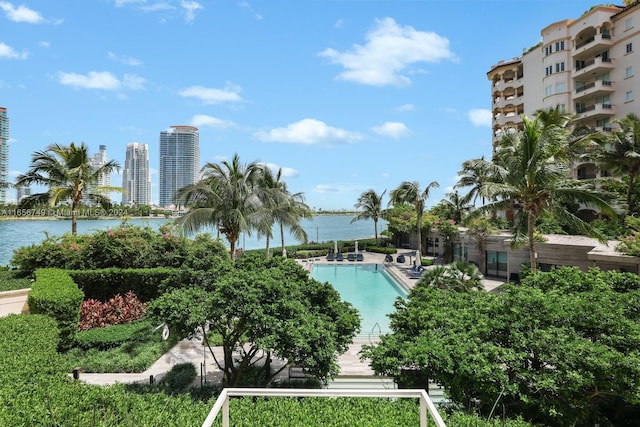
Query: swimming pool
[(368, 287)]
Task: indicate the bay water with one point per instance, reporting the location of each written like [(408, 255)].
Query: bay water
[(321, 228)]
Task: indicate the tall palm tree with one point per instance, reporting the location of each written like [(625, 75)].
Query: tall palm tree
[(474, 174), (620, 153), (410, 193), (225, 197), (531, 167), (370, 205), (281, 207), (69, 175), (456, 205)]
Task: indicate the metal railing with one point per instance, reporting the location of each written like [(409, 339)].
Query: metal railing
[(222, 403)]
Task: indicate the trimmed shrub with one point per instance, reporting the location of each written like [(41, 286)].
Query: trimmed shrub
[(381, 250), (111, 336), (55, 294), (179, 377)]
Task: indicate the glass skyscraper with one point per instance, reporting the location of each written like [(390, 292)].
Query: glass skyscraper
[(179, 161), (136, 177), (4, 154)]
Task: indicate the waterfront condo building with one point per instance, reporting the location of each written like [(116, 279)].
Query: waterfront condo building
[(97, 161), (136, 177), (587, 66), (179, 161), (4, 154)]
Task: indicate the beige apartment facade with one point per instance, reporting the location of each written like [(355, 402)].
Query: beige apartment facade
[(588, 66)]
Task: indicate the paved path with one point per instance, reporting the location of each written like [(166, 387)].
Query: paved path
[(194, 352)]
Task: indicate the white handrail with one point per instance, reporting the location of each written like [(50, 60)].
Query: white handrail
[(426, 405)]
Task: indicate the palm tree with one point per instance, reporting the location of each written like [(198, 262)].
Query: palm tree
[(280, 206), (459, 276), (69, 175), (370, 204), (410, 193), (620, 153), (475, 173), (225, 197), (456, 206), (531, 167)]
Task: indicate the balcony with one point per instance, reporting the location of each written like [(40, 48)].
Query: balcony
[(594, 89), (593, 45), (597, 65), (595, 111)]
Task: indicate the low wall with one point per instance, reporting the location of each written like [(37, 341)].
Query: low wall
[(14, 302)]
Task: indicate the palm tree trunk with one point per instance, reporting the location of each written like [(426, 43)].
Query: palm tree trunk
[(419, 234), (282, 238), (268, 251), (632, 178), (532, 243), (375, 228), (74, 219)]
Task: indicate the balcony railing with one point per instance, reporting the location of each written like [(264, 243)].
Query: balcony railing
[(222, 403), (593, 84)]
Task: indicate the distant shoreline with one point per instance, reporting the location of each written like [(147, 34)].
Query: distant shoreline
[(40, 217)]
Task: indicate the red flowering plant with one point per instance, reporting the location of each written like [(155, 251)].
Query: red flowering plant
[(119, 309)]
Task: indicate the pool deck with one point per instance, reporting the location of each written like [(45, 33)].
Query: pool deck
[(193, 351), (396, 269)]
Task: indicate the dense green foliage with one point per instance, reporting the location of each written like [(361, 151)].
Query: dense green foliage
[(125, 247), (103, 284), (563, 348), (54, 294), (113, 336), (11, 280), (179, 377), (264, 308)]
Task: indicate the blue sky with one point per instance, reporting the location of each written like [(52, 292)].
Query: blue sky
[(343, 95)]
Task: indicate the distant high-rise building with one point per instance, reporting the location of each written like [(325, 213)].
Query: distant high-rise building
[(136, 178), (97, 161), (4, 154), (179, 161), (22, 192)]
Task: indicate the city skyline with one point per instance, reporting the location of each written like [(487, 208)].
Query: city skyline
[(343, 96)]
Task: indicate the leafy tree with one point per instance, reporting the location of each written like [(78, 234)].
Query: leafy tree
[(455, 206), (411, 193), (225, 198), (479, 229), (530, 172), (370, 207), (562, 348), (69, 176), (620, 153), (264, 309)]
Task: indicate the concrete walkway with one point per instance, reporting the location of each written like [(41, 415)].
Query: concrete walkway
[(193, 351)]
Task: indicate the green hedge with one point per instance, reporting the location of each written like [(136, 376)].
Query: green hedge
[(112, 336), (105, 283), (55, 294), (381, 250), (10, 280)]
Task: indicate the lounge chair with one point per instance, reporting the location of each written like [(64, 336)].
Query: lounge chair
[(400, 259), (415, 274), (351, 256), (330, 256), (359, 256), (388, 258), (339, 257)]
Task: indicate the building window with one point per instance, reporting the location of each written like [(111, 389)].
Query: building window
[(628, 72), (629, 96), (549, 70), (629, 47), (548, 91), (561, 87), (547, 50), (628, 24), (562, 108), (559, 67), (559, 46)]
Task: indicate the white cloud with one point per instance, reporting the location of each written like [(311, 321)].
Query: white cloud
[(286, 172), (230, 93), (101, 80), (7, 52), (247, 6), (406, 107), (308, 132), (480, 117), (393, 130), (21, 14), (326, 188), (126, 60), (204, 120), (120, 3), (44, 44), (190, 10), (390, 52)]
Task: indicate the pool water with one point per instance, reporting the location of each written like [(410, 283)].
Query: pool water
[(368, 287)]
